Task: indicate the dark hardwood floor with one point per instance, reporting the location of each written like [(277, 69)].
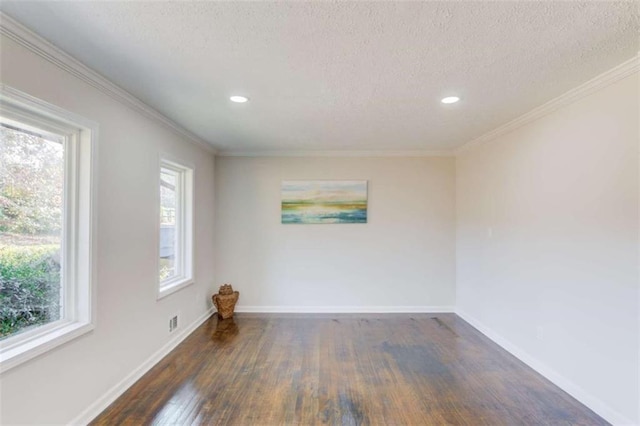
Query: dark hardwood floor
[(417, 369)]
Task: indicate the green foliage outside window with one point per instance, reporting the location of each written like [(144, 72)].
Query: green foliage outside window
[(31, 173), (29, 287), (31, 192)]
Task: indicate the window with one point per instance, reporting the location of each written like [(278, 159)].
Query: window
[(46, 245), (175, 261)]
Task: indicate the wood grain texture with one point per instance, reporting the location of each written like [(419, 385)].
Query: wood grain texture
[(343, 369)]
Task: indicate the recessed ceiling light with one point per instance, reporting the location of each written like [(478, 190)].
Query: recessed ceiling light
[(450, 100), (239, 99)]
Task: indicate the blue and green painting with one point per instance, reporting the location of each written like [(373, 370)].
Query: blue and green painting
[(324, 201)]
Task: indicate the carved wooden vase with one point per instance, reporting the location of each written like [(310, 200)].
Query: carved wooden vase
[(225, 301)]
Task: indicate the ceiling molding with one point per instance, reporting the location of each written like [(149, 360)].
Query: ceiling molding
[(603, 80), (38, 45), (362, 153), (41, 47)]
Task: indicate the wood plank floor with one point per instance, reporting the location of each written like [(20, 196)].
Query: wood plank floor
[(414, 369)]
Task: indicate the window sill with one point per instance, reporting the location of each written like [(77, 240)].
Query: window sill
[(13, 355), (174, 285)]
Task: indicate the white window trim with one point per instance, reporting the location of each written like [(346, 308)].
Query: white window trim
[(79, 242), (185, 219)]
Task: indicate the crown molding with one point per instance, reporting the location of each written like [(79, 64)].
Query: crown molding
[(38, 45), (22, 35), (603, 80), (362, 153)]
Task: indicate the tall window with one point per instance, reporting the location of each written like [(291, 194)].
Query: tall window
[(45, 227), (176, 222), (32, 176)]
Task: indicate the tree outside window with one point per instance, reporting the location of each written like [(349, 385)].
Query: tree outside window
[(31, 220)]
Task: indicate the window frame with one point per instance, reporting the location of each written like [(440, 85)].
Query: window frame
[(78, 240), (184, 225)]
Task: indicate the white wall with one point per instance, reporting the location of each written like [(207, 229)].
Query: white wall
[(131, 324), (558, 278), (403, 258)]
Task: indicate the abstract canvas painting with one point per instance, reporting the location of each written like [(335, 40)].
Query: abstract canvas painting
[(324, 201)]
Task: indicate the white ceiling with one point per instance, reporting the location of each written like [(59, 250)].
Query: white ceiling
[(340, 75)]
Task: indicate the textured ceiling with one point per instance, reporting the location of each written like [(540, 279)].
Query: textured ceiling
[(340, 75)]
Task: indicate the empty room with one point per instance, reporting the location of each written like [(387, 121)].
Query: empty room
[(319, 212)]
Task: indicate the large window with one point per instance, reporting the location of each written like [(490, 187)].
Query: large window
[(176, 222), (45, 227), (31, 227)]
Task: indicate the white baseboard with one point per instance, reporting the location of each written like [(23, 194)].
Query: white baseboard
[(586, 398), (112, 394), (344, 309)]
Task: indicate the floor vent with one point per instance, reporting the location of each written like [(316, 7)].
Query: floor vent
[(173, 324)]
